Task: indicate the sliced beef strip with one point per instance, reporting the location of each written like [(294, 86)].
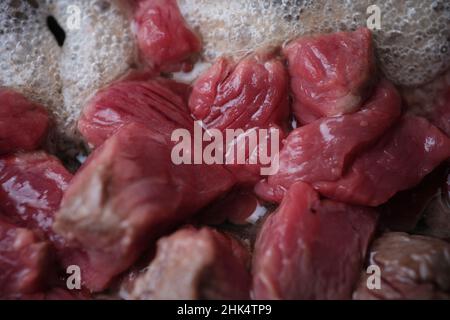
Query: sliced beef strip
[(25, 261), (23, 124), (331, 74), (194, 264), (311, 249), (165, 40), (127, 195), (324, 149), (411, 266)]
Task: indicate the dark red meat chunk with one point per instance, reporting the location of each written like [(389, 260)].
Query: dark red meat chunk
[(411, 267), (195, 264), (25, 261), (23, 124), (311, 249), (331, 74), (127, 195), (164, 39), (324, 149)]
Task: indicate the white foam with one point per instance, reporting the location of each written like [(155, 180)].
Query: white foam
[(413, 43), (96, 53)]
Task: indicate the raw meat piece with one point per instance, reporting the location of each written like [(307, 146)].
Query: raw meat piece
[(436, 218), (25, 261), (127, 195), (31, 188), (251, 94), (411, 267), (311, 249), (195, 264), (398, 162), (324, 149), (164, 39), (23, 124), (155, 103), (331, 74)]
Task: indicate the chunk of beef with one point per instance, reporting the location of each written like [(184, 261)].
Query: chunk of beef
[(331, 74), (24, 261), (23, 124), (411, 267), (127, 195), (399, 161), (195, 264), (311, 249), (31, 188), (324, 149), (164, 39), (251, 94), (155, 103)]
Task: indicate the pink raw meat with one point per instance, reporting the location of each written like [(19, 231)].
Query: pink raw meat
[(324, 149), (164, 39), (398, 162), (331, 74), (23, 124), (311, 249)]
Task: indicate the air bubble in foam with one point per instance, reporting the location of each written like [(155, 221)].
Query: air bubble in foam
[(235, 27), (95, 54)]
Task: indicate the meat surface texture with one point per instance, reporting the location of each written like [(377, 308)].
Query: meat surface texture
[(311, 249), (195, 264), (31, 189), (24, 261), (156, 103), (331, 74), (411, 267), (164, 39), (127, 195), (249, 95), (23, 124), (324, 149), (398, 162)]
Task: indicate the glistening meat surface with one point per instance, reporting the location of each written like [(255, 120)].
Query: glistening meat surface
[(324, 149), (331, 74), (164, 39), (311, 249)]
